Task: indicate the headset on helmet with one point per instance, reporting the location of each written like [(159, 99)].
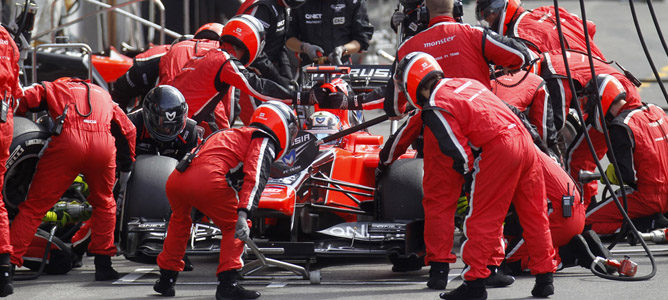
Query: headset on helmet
[(246, 32), (496, 14), (413, 72), (165, 112), (277, 119), (609, 91), (292, 3), (209, 31)]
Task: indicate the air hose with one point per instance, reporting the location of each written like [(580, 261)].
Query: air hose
[(644, 45), (591, 146)]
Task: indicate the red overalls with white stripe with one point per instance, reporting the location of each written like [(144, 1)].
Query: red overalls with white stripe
[(463, 114), (204, 186), (458, 48), (538, 27), (205, 76), (639, 140), (578, 157), (9, 89), (531, 95), (557, 184), (86, 145)]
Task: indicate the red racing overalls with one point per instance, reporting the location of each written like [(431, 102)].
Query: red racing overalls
[(538, 29), (205, 76), (86, 145), (557, 184), (204, 186), (638, 138), (10, 89), (458, 48), (552, 69)]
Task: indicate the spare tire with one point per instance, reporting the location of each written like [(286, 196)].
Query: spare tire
[(28, 140), (401, 191)]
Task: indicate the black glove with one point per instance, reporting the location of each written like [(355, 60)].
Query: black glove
[(313, 51), (331, 100), (335, 56), (396, 19)]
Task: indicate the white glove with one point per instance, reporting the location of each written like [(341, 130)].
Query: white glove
[(242, 231)]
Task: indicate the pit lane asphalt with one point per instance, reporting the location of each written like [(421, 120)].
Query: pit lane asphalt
[(372, 278)]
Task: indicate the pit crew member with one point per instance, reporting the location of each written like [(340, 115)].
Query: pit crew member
[(203, 185), (505, 150), (89, 124), (332, 28)]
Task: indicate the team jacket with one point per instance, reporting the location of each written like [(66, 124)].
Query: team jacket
[(106, 116), (188, 139), (458, 48), (273, 62), (639, 140), (179, 54), (205, 76), (553, 71), (331, 23), (246, 148), (141, 77), (538, 29), (530, 97)]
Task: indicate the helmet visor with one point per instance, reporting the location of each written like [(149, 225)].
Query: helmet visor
[(488, 14), (163, 129)]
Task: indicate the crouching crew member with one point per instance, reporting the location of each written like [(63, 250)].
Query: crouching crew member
[(87, 124), (461, 115), (203, 185), (638, 137)]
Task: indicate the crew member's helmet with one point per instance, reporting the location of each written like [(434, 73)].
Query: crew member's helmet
[(413, 72), (209, 31), (496, 14), (292, 3), (323, 123), (609, 91), (165, 112), (245, 32), (276, 119)]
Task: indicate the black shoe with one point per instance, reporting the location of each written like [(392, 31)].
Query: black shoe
[(229, 287), (165, 284), (406, 263), (438, 275), (469, 290), (188, 264), (103, 269), (6, 276), (543, 287), (497, 278), (77, 261)]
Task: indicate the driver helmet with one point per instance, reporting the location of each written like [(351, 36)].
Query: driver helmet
[(209, 31), (324, 123), (497, 14), (277, 120), (246, 32), (165, 112)]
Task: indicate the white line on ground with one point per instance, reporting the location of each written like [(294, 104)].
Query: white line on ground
[(136, 274)]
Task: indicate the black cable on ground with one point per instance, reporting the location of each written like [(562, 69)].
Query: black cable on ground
[(644, 48), (593, 152)]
